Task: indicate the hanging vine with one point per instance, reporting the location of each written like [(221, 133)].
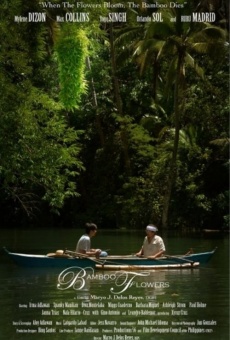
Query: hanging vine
[(72, 50)]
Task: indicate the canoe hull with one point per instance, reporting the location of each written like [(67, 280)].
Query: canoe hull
[(147, 267), (43, 261)]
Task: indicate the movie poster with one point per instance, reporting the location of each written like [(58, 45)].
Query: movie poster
[(108, 92)]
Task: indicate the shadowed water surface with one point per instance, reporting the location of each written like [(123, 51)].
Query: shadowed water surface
[(102, 305)]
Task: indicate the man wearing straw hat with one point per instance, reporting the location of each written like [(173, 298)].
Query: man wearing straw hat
[(153, 245)]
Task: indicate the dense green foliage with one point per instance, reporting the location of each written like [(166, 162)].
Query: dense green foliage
[(119, 123), (39, 152), (71, 53)]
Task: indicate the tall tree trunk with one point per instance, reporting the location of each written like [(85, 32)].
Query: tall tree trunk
[(155, 77), (118, 103), (178, 108), (95, 105)]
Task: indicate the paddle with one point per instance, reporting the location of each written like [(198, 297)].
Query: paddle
[(179, 258), (80, 255), (74, 253)]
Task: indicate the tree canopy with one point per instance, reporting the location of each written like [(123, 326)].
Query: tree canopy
[(123, 121)]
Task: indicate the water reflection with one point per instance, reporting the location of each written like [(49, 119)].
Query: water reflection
[(208, 285)]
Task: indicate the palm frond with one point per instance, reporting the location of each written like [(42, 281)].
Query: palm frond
[(158, 29), (127, 34), (192, 63), (222, 142), (215, 33), (143, 61)]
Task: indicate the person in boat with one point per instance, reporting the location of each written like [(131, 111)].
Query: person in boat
[(84, 243), (153, 245)]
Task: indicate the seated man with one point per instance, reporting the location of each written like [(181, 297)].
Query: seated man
[(153, 245), (84, 243)]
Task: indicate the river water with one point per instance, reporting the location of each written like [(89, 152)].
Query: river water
[(109, 305)]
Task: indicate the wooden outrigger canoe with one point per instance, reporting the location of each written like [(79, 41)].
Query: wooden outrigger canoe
[(116, 262)]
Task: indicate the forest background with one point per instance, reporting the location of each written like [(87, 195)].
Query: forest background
[(119, 123)]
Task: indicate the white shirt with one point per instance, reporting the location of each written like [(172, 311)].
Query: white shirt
[(153, 247), (83, 244)]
